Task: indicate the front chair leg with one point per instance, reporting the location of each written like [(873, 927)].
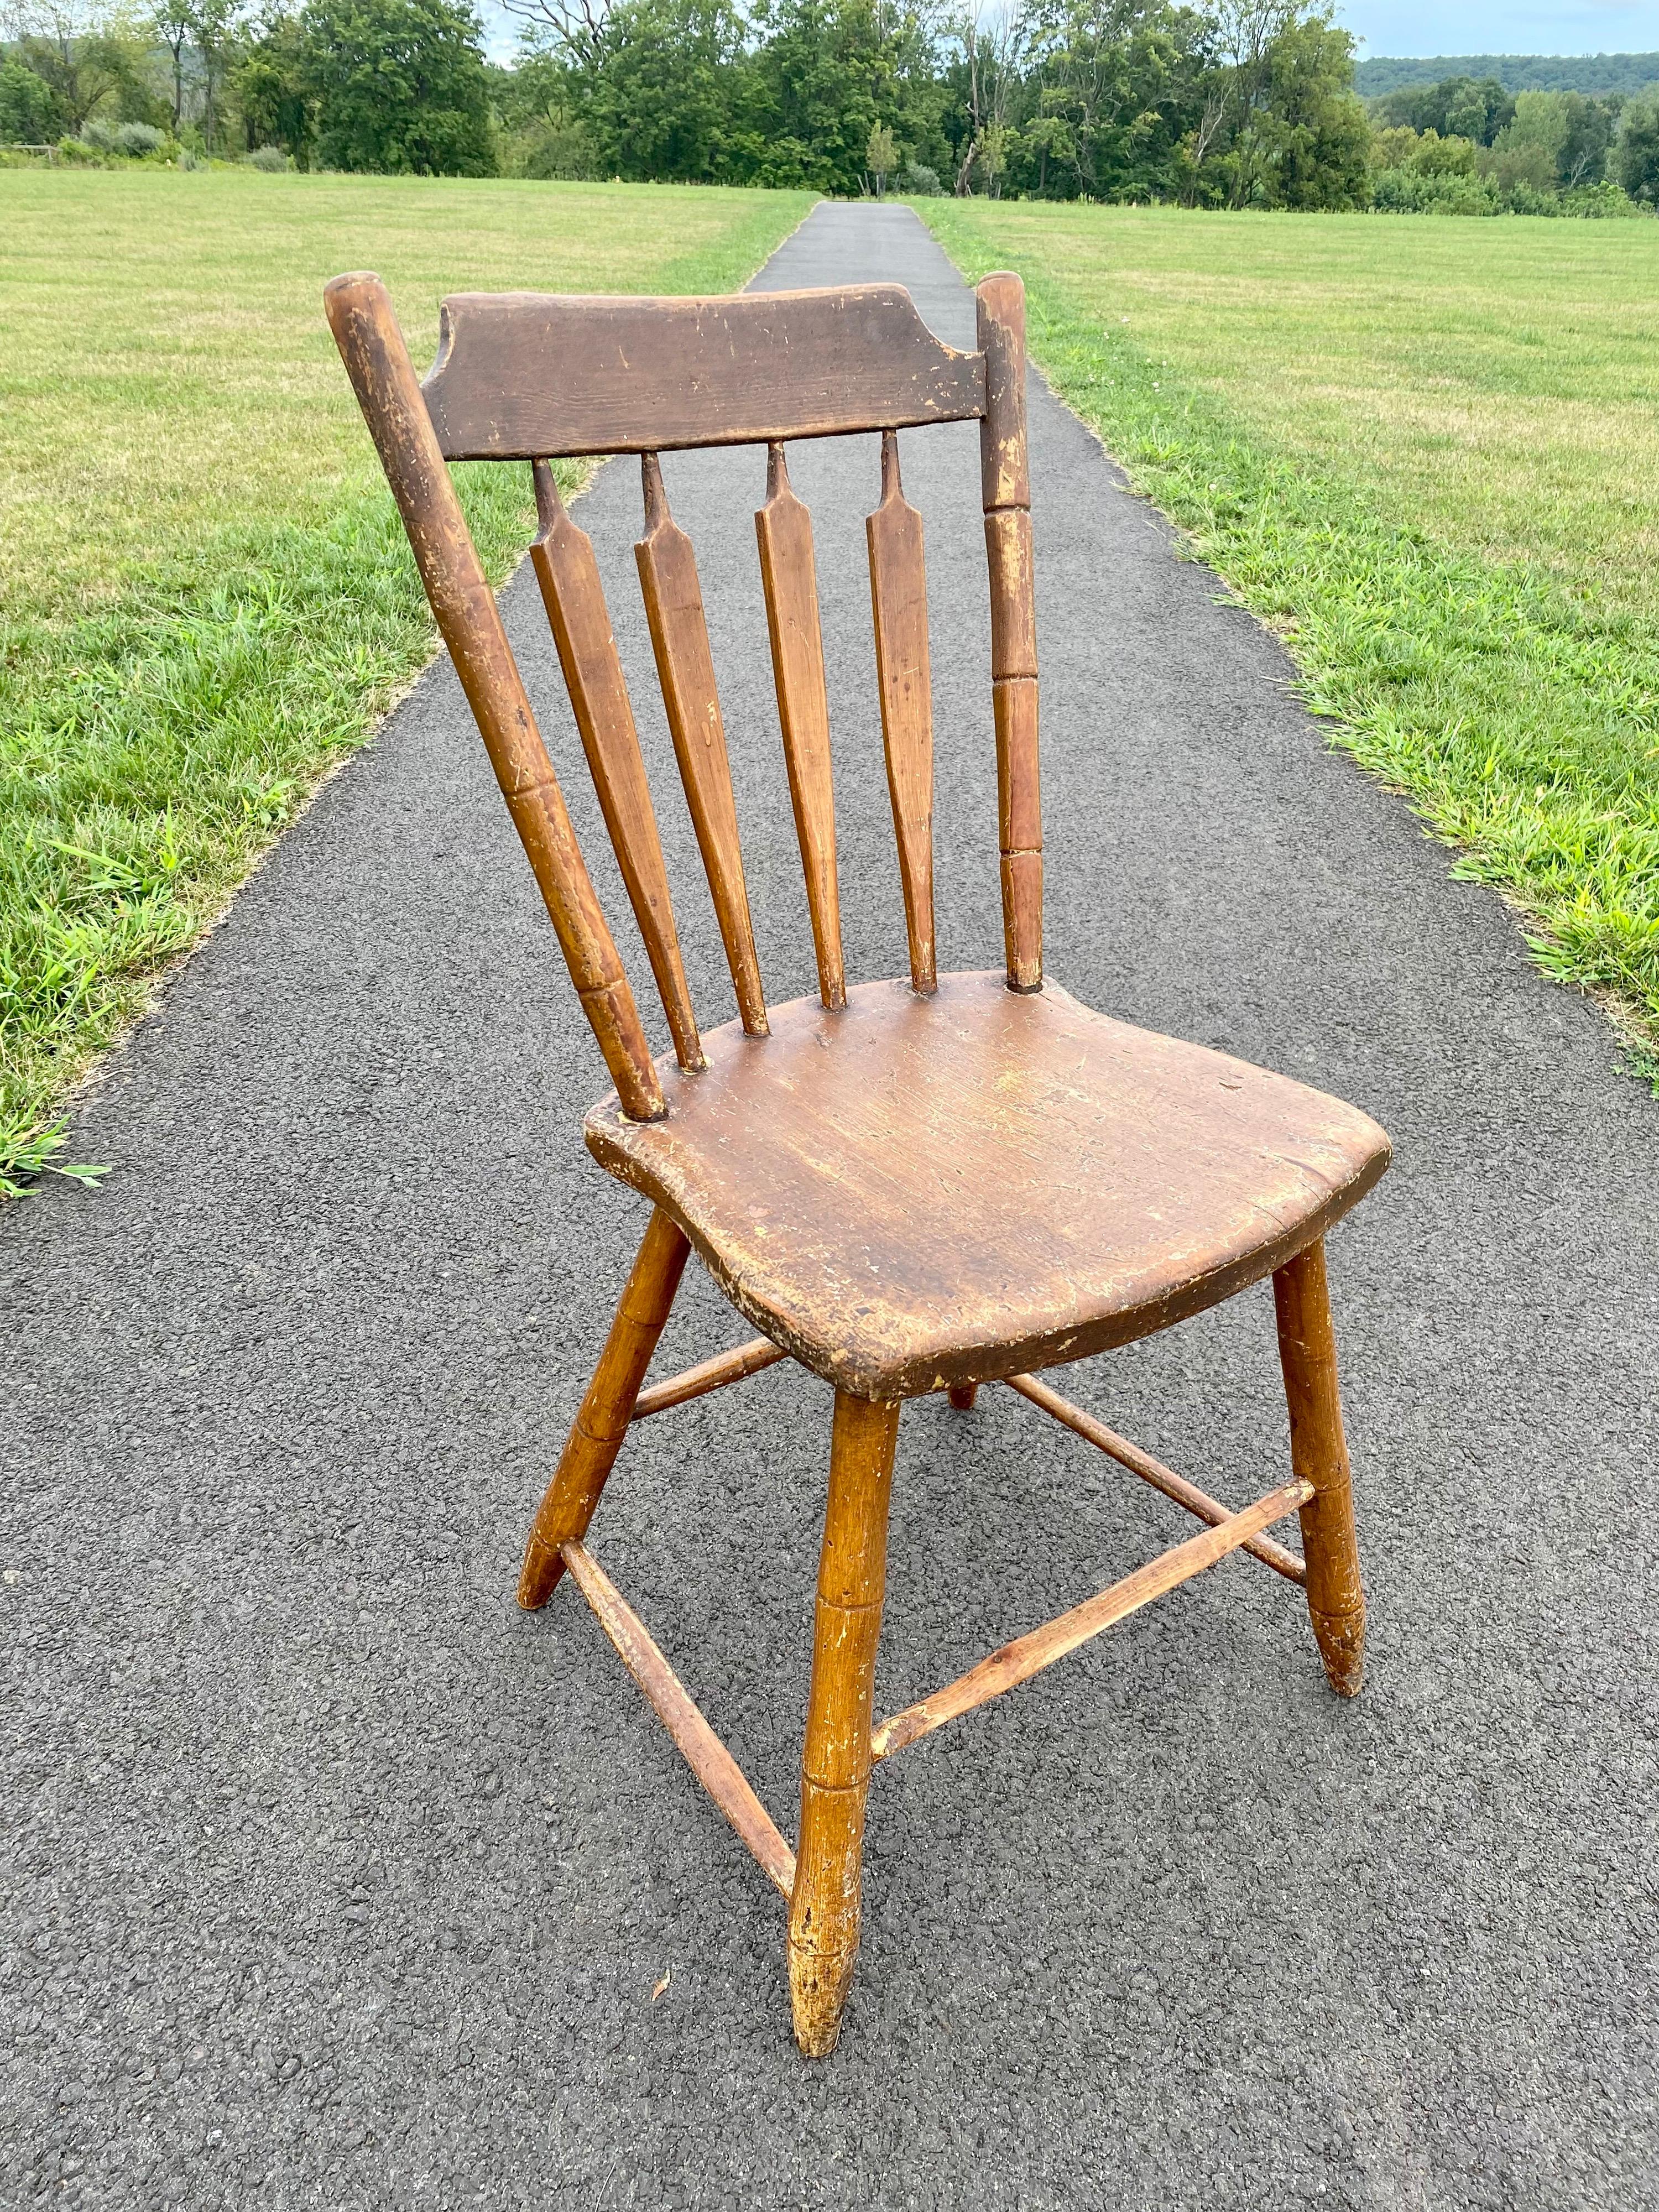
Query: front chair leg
[(823, 1911), (1319, 1455), (596, 1435)]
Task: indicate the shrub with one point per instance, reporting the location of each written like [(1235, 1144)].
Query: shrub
[(1603, 199), (272, 159), (1408, 191), (920, 182)]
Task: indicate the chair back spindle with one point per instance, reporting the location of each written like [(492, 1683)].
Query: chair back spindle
[(570, 578), (898, 598), (685, 668), (789, 576)]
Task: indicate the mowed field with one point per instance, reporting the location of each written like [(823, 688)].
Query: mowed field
[(1427, 450), (204, 595)]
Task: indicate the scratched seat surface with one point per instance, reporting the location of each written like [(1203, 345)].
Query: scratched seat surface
[(913, 1191)]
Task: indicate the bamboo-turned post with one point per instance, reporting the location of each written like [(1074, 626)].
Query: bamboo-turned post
[(823, 1913), (602, 1421), (1005, 488), (1319, 1455), (382, 376)]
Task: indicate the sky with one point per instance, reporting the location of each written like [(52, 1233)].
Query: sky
[(1420, 27), (1504, 27)]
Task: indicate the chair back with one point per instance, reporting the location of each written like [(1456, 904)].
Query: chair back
[(523, 377)]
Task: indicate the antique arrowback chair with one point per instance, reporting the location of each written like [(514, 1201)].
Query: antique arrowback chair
[(909, 1186)]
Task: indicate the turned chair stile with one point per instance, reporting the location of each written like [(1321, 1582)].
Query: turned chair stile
[(922, 1184)]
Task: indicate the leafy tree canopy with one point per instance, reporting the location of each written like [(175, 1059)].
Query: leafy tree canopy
[(400, 87)]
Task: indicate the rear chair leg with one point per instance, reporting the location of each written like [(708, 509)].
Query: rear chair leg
[(1319, 1455), (823, 1911), (596, 1437), (963, 1395)]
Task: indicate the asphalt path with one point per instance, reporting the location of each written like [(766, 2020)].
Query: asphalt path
[(332, 1879)]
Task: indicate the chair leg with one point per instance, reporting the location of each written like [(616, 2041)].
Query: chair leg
[(823, 1911), (963, 1395), (1319, 1455), (596, 1435)]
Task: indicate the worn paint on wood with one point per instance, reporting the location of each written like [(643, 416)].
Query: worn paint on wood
[(521, 374), (917, 1192)]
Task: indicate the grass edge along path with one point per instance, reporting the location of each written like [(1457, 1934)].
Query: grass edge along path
[(151, 765), (1447, 676)]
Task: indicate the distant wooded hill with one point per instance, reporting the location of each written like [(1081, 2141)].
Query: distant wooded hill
[(1588, 73)]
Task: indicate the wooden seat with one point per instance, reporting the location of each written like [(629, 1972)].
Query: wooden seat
[(932, 1182), (909, 1192)]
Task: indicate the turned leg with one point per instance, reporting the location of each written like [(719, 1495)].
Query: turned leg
[(823, 1911), (963, 1395), (596, 1435), (1319, 1455)]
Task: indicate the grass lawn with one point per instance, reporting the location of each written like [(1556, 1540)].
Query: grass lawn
[(1427, 450), (205, 597)]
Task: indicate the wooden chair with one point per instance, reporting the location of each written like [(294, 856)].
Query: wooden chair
[(910, 1186)]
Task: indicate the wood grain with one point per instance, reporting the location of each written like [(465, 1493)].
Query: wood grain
[(709, 1375), (1319, 1454), (563, 557), (908, 1186), (1005, 490), (825, 1909), (685, 669), (1027, 1656), (898, 598), (607, 1409), (789, 574), (464, 607), (917, 1192), (705, 1754), (1174, 1486), (521, 375)]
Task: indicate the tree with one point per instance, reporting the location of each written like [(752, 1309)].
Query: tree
[(202, 40), (174, 22), (29, 113), (273, 88), (1636, 156), (672, 95), (1315, 135), (1455, 107), (1584, 156), (92, 66), (882, 155), (1119, 87), (572, 31), (993, 43), (399, 86)]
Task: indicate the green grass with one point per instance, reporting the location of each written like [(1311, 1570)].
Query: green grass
[(1427, 452), (205, 597)]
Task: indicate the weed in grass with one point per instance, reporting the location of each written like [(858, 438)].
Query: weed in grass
[(27, 1153), (205, 597), (1428, 462)]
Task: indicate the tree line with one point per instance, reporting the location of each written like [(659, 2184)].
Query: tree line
[(1226, 103)]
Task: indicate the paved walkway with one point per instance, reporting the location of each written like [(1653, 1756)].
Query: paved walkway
[(334, 1881)]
